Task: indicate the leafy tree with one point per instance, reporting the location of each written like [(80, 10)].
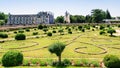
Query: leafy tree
[(59, 19), (57, 48), (108, 16), (88, 19), (77, 18), (98, 15), (111, 31), (111, 61), (2, 16)]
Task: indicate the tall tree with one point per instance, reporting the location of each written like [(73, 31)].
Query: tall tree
[(108, 15), (98, 15), (2, 16), (59, 19)]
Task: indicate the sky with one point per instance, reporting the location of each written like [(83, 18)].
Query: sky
[(59, 7)]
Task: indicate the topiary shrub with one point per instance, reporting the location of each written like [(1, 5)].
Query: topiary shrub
[(3, 35), (20, 31), (27, 30), (119, 26), (15, 32), (49, 34), (35, 33), (102, 32), (102, 27), (83, 30), (12, 58), (111, 61), (67, 62), (111, 31), (79, 27), (70, 32), (40, 27), (20, 37), (54, 31)]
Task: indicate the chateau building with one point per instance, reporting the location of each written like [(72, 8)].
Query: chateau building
[(40, 18), (67, 17)]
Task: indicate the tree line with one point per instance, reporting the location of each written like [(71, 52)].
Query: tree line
[(3, 18), (96, 16)]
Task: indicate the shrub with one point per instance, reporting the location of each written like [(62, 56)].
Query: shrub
[(119, 26), (12, 58), (40, 26), (35, 33), (54, 31), (70, 32), (49, 34), (20, 37), (21, 31), (111, 61), (79, 27), (69, 29), (15, 32), (45, 30), (3, 35), (83, 30), (66, 62), (111, 31), (102, 32), (102, 27), (27, 30)]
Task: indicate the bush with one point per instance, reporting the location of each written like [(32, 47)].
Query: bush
[(3, 35), (70, 32), (15, 32), (12, 58), (49, 34), (66, 62), (40, 27), (20, 37), (83, 30), (111, 31), (102, 27), (119, 26), (27, 30), (58, 64), (54, 31), (79, 27), (111, 61), (35, 33), (21, 31), (102, 32)]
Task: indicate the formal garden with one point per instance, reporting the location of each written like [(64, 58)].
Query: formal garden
[(81, 45)]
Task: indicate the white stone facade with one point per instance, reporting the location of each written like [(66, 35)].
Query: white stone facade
[(40, 18)]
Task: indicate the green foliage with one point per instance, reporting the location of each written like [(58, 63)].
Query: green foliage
[(3, 35), (79, 27), (57, 48), (35, 33), (20, 37), (111, 61), (27, 30), (60, 31), (102, 32), (102, 27), (15, 32), (111, 31), (40, 26), (45, 30), (70, 32), (67, 62), (108, 15), (54, 31), (119, 26), (98, 15), (21, 31), (2, 22), (83, 30), (59, 19), (49, 34), (77, 19), (12, 58)]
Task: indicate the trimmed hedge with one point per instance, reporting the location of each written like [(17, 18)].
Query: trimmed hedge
[(49, 34), (111, 61), (3, 35), (20, 37), (12, 58)]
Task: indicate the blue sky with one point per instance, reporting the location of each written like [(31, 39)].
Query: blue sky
[(58, 7)]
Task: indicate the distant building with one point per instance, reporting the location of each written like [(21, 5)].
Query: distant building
[(116, 20), (67, 17), (40, 18)]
